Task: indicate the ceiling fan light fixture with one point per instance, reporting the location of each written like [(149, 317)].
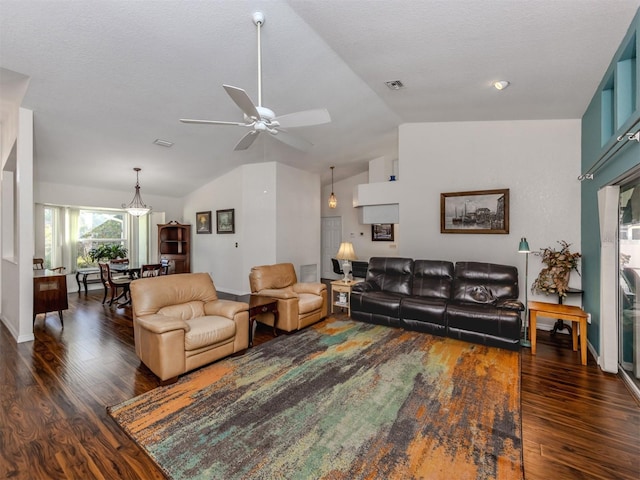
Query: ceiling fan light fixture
[(136, 207), (333, 201), (501, 84)]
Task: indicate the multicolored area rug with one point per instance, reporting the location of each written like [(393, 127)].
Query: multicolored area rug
[(340, 400)]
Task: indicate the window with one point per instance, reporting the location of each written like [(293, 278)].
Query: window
[(99, 227)]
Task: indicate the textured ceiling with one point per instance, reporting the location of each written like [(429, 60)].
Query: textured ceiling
[(107, 78)]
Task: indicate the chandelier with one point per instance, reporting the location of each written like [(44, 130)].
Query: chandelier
[(333, 201), (136, 207)]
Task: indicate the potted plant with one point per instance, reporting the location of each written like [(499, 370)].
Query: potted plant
[(109, 251), (554, 277)]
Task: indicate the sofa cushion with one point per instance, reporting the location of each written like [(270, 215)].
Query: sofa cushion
[(424, 309), (208, 330), (390, 274), (483, 319), (308, 302), (184, 311), (379, 303), (432, 278), (484, 283)]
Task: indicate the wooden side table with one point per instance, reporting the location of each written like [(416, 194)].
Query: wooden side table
[(562, 312), (341, 294), (258, 305), (49, 293)]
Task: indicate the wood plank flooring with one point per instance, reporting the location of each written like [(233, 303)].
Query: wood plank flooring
[(578, 423)]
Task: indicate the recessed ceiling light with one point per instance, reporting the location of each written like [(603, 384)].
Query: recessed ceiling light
[(163, 143), (501, 84), (394, 84)]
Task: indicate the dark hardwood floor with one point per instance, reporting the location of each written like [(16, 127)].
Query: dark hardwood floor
[(577, 421)]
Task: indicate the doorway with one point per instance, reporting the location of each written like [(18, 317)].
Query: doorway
[(629, 281), (330, 243)]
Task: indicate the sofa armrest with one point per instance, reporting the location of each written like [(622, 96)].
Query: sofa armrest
[(157, 323), (277, 293), (315, 288), (225, 308), (363, 287), (510, 304)]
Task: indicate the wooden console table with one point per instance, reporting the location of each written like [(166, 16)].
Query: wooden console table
[(49, 293), (562, 312)]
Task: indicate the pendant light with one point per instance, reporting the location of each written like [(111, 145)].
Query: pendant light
[(136, 207), (333, 201)]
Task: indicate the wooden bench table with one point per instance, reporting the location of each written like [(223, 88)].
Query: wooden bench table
[(569, 313)]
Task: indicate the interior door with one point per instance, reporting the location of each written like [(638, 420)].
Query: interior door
[(331, 238)]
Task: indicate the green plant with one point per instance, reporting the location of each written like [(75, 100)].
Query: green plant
[(554, 277), (107, 252)]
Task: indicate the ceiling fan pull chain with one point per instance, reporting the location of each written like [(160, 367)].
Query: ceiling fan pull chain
[(258, 21)]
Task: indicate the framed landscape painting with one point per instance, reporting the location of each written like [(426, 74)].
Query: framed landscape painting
[(382, 232), (479, 211), (225, 221)]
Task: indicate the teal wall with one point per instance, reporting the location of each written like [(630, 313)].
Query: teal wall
[(613, 110)]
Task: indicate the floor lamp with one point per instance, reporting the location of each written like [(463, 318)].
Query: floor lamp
[(524, 248)]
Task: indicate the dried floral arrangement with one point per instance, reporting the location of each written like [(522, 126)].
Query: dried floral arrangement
[(554, 277)]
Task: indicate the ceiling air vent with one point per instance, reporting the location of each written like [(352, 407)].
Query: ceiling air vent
[(163, 143), (394, 84)]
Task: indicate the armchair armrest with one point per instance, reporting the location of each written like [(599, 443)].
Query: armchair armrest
[(282, 294), (309, 287), (225, 308), (157, 323), (511, 304)]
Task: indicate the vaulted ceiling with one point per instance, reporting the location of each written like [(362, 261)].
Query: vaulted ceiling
[(109, 77)]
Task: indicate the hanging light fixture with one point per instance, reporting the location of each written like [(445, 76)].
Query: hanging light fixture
[(136, 207), (333, 201)]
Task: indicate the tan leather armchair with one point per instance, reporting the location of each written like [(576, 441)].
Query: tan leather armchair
[(299, 304), (179, 323)]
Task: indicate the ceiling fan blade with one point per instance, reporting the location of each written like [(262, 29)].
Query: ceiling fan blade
[(210, 122), (246, 141), (240, 97), (304, 118), (293, 141)]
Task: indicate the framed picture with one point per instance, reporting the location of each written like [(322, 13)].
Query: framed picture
[(203, 222), (481, 211), (225, 221), (382, 232)]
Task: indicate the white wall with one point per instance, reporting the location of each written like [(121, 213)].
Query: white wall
[(77, 195), (352, 230), (539, 161), (17, 275), (277, 219), (298, 218)]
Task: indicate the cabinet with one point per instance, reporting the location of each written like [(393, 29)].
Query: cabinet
[(174, 246), (49, 293)]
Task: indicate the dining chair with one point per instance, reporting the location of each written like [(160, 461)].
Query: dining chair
[(151, 270), (38, 264), (58, 269), (113, 284)]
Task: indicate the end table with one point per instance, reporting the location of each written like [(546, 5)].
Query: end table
[(341, 294)]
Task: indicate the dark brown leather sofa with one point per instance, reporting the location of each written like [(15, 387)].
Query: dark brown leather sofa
[(472, 301)]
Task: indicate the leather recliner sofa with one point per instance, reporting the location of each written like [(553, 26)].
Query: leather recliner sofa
[(472, 301), (300, 304), (180, 324)]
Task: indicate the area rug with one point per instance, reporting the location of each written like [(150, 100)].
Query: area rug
[(340, 400)]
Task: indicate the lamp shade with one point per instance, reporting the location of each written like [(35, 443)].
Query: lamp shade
[(345, 252), (523, 247)]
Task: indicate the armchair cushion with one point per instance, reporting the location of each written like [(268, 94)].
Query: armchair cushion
[(205, 331)]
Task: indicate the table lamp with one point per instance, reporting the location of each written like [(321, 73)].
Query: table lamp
[(346, 254), (523, 247)]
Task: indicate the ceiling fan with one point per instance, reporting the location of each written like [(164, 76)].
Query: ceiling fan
[(260, 119)]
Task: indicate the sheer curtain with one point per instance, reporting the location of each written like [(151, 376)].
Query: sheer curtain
[(69, 223)]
